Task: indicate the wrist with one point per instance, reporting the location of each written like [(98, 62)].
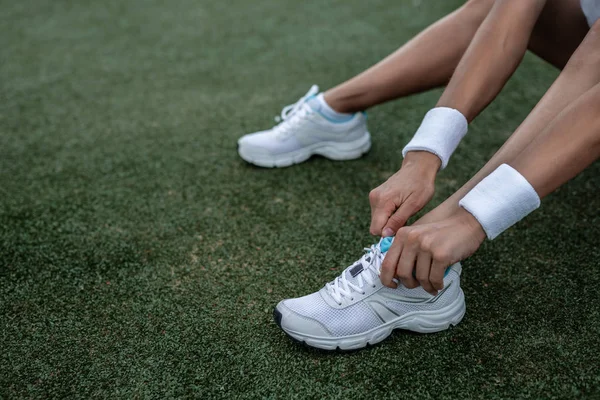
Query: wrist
[(439, 133), (427, 163), (469, 220), (500, 200)]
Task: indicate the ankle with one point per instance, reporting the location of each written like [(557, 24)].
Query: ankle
[(322, 106), (340, 104)]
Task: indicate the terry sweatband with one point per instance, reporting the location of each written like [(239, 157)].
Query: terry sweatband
[(501, 200), (439, 133)]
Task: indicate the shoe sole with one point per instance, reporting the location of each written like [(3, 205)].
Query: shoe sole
[(333, 150), (416, 321)]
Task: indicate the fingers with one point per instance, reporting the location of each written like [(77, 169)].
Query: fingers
[(399, 218), (436, 276), (388, 267), (380, 212), (418, 257), (423, 272), (406, 264)]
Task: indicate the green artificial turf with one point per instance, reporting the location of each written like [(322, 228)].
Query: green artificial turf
[(140, 257)]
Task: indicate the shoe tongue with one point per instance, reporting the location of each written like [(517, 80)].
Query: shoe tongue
[(356, 269), (353, 272)]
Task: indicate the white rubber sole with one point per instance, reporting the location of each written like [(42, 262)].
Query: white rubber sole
[(332, 150), (416, 321)]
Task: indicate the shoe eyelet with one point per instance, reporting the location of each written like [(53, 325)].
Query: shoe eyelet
[(351, 298)]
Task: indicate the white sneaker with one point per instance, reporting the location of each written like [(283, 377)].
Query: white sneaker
[(356, 309), (303, 132)]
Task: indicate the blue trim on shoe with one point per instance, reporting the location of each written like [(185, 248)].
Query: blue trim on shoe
[(333, 121), (336, 121)]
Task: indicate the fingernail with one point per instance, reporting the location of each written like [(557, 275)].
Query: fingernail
[(387, 232)]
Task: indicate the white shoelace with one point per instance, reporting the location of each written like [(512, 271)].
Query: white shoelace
[(292, 114), (371, 264)]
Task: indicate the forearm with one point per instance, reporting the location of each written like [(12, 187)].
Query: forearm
[(494, 54), (566, 147), (580, 75)]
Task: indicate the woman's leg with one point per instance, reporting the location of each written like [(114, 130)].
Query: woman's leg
[(425, 62), (581, 73), (428, 60)]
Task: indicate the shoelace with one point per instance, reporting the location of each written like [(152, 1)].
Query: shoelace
[(293, 113), (371, 263)]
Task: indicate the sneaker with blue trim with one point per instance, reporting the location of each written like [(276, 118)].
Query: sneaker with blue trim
[(304, 131), (356, 309)]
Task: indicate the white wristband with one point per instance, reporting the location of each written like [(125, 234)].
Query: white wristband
[(440, 132), (501, 200)]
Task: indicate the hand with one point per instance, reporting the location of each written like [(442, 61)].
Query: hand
[(404, 193), (430, 249)]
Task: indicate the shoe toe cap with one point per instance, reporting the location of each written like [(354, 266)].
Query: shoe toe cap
[(267, 143), (251, 139), (293, 322)]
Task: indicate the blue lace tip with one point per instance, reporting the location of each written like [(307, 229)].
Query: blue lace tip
[(385, 243)]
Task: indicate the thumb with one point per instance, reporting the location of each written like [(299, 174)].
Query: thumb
[(398, 219), (379, 217)]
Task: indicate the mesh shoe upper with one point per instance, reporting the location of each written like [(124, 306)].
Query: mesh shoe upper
[(356, 318)]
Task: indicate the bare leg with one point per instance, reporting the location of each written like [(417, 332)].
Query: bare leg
[(581, 73), (424, 63)]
